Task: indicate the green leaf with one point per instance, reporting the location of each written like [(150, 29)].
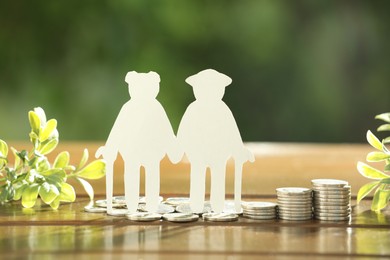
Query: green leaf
[(48, 192), (373, 141), (7, 193), (84, 159), (35, 122), (19, 191), (385, 181), (87, 187), (370, 172), (385, 127), (387, 168), (43, 164), (30, 194), (55, 177), (17, 158), (381, 197), (55, 203), (3, 149), (50, 126), (377, 157), (365, 190), (49, 147), (386, 140), (41, 114), (94, 170), (67, 193), (62, 160), (384, 117)]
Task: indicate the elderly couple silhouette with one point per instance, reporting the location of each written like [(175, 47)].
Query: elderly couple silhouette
[(207, 134)]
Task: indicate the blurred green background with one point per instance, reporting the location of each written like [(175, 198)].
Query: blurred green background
[(307, 71)]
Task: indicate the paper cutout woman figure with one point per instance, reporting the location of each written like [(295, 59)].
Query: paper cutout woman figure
[(209, 136), (142, 134)]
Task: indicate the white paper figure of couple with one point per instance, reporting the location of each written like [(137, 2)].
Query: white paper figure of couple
[(208, 135)]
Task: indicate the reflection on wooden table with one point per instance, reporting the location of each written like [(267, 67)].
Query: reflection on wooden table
[(71, 231)]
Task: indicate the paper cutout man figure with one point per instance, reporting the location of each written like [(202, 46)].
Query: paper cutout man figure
[(209, 136), (142, 134)]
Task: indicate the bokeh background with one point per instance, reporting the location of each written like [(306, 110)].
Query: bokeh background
[(303, 71)]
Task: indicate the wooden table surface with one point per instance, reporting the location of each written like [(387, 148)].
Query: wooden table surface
[(42, 233)]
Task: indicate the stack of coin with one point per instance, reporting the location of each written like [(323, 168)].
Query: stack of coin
[(332, 199), (294, 203), (259, 210)]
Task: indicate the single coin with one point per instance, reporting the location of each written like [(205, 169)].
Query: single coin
[(180, 217), (329, 214), (176, 201), (295, 218), (92, 209), (326, 218), (162, 208), (254, 213), (220, 217), (259, 217), (258, 205), (294, 211), (330, 196), (329, 182), (144, 216), (293, 191), (324, 208), (118, 212), (332, 188)]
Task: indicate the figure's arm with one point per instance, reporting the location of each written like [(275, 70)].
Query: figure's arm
[(110, 150), (173, 148), (240, 153)]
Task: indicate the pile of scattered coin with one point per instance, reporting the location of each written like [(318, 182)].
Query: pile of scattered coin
[(329, 200), (294, 203), (332, 199), (259, 210)]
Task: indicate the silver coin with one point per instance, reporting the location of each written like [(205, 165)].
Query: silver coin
[(322, 207), (295, 203), (295, 218), (333, 218), (331, 196), (260, 210), (258, 205), (93, 209), (259, 217), (332, 188), (294, 198), (180, 217), (340, 201), (144, 216), (330, 214), (118, 212), (162, 208), (220, 217), (293, 210), (254, 213), (293, 191), (186, 208), (176, 201), (329, 183)]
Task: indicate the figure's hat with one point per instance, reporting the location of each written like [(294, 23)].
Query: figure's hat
[(209, 77)]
